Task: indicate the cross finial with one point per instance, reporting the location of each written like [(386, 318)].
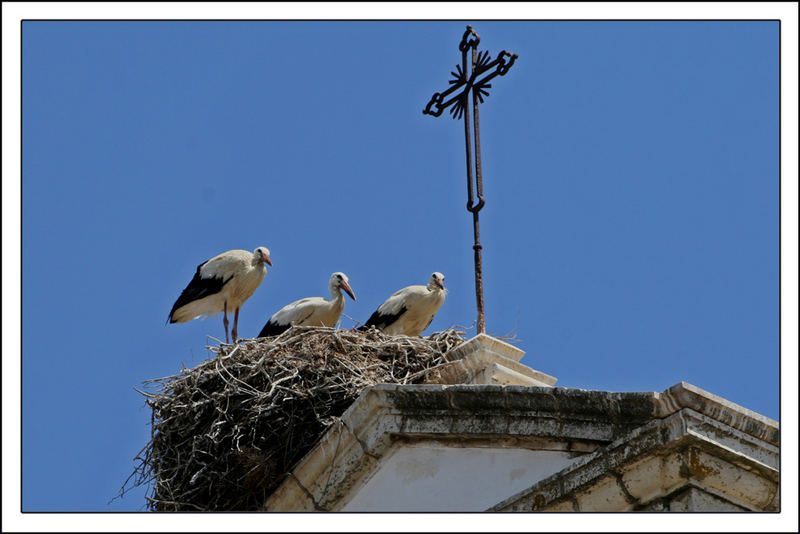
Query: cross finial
[(467, 79)]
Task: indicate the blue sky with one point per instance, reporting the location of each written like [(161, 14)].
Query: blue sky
[(630, 232)]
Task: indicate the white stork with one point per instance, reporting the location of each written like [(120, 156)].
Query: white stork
[(410, 310), (222, 283), (311, 311)]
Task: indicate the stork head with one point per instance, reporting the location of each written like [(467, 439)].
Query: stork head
[(261, 255), (436, 281), (340, 281)]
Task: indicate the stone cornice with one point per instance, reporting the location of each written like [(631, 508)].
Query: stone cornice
[(685, 395), (656, 460)]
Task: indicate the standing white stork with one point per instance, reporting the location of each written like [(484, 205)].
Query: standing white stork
[(410, 310), (220, 284), (311, 311)]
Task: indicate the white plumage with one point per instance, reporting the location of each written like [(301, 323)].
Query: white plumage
[(410, 310), (220, 284), (311, 311)]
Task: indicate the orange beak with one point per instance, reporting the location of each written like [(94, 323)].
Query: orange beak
[(344, 285)]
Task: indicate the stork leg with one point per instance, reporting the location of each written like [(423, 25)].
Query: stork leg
[(225, 320), (235, 324)]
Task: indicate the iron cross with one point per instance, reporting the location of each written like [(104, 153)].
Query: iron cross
[(465, 81)]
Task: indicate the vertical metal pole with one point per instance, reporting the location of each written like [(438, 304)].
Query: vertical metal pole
[(468, 138), (478, 272), (475, 220)]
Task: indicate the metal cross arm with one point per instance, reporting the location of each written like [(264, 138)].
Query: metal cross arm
[(501, 65), (472, 77)]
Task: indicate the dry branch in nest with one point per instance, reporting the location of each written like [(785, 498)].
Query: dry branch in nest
[(225, 433)]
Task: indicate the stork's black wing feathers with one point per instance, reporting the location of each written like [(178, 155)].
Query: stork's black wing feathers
[(381, 320), (197, 289), (273, 329)]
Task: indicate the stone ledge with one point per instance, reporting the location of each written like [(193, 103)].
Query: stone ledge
[(486, 343), (500, 374), (686, 395), (483, 368), (487, 360)]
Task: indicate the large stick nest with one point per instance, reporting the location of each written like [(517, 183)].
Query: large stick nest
[(225, 433)]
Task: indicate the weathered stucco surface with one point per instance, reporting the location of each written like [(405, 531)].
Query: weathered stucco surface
[(431, 477), (680, 450)]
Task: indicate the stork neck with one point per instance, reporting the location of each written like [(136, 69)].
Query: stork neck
[(336, 294), (337, 300)]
